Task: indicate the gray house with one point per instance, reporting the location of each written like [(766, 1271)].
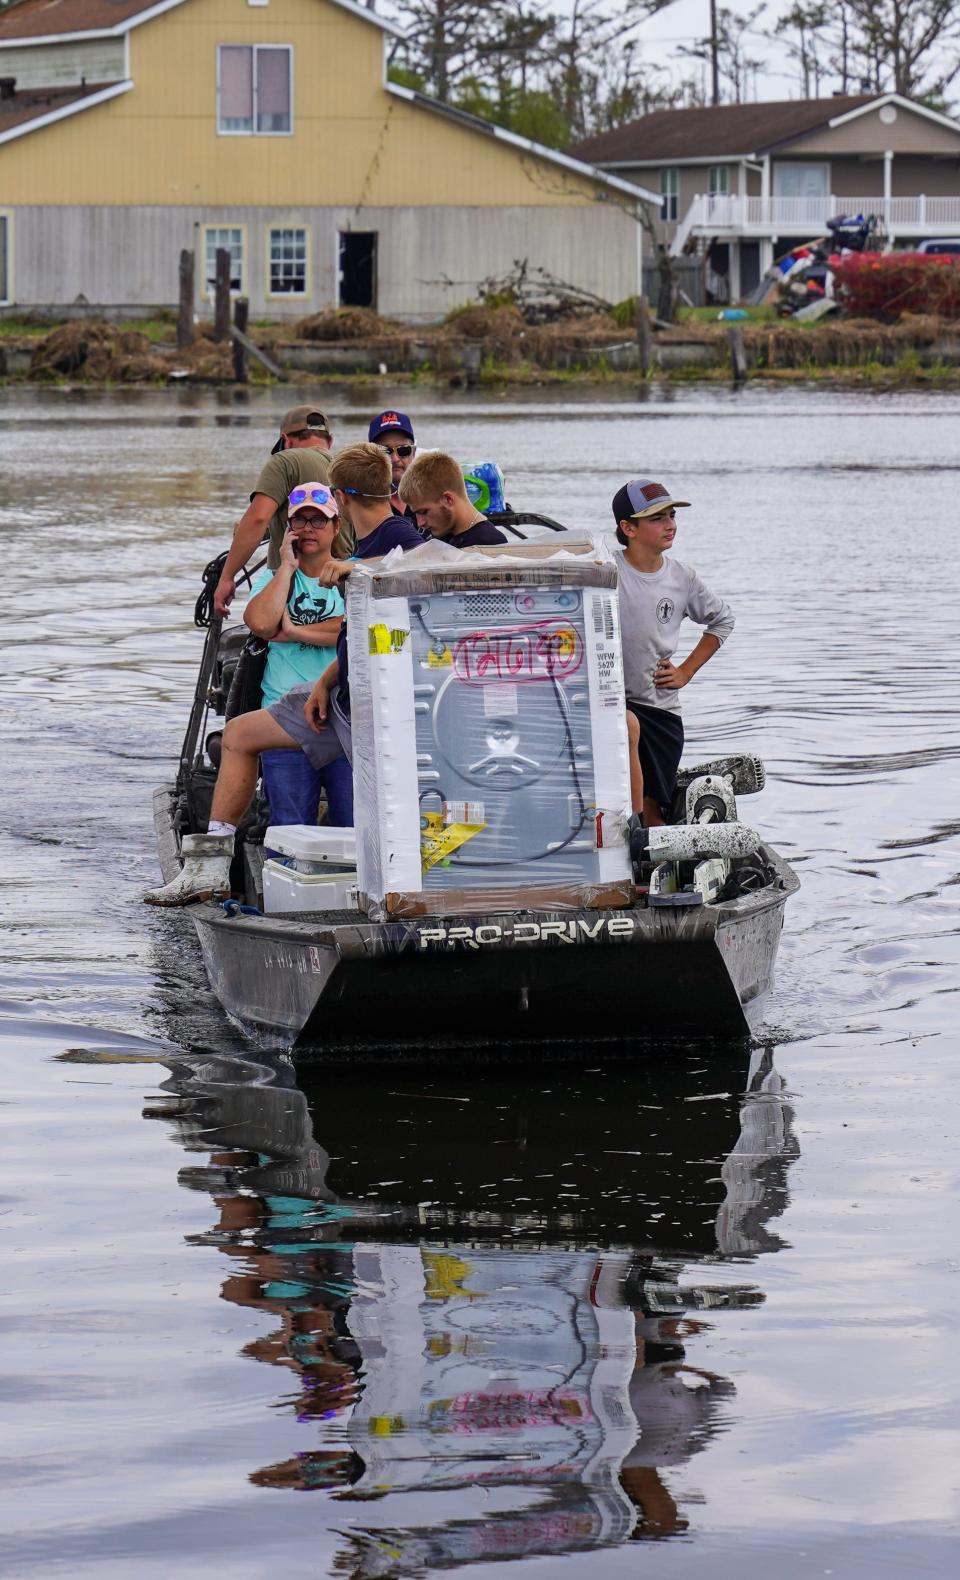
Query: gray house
[(745, 182)]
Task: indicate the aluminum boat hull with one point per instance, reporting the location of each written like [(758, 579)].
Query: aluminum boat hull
[(325, 982)]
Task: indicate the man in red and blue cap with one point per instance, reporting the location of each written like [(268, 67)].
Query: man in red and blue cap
[(392, 430)]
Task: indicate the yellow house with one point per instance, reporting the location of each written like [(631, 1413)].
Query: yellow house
[(129, 131)]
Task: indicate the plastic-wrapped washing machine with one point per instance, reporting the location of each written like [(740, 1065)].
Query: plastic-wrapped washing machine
[(490, 751)]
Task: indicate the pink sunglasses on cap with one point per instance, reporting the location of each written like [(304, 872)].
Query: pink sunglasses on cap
[(311, 496)]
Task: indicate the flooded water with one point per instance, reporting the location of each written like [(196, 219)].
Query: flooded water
[(324, 1324)]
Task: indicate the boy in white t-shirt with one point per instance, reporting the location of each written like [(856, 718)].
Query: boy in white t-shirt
[(656, 594)]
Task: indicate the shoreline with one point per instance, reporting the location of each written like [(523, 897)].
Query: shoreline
[(877, 377), (88, 352)]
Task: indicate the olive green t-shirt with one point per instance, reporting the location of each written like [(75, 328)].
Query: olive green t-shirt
[(282, 473)]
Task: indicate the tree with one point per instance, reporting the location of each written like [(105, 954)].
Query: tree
[(553, 77), (727, 46), (802, 31), (595, 47), (441, 40), (532, 114), (907, 46), (915, 43)]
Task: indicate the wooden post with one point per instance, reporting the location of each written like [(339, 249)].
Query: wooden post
[(185, 317), (471, 365), (644, 337), (221, 310), (241, 312), (738, 354), (253, 350)]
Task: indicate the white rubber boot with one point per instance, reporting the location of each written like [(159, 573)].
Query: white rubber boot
[(205, 874)]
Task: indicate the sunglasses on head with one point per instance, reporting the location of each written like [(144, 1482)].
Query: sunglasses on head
[(313, 494), (398, 449)]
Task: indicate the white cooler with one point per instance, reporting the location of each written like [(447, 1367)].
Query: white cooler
[(315, 869)]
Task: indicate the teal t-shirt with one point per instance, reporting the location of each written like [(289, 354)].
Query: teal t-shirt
[(295, 663)]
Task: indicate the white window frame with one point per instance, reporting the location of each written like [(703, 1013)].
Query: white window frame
[(6, 215), (718, 187), (209, 291), (287, 296), (670, 194), (253, 132)]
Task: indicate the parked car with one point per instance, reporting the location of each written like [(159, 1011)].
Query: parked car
[(939, 244)]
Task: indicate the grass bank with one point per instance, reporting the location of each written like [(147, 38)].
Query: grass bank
[(488, 347)]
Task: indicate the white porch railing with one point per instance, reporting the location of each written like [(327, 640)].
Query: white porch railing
[(797, 216)]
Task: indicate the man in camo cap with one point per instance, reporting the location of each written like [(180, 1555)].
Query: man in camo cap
[(299, 456)]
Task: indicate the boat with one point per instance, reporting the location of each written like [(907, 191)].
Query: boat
[(688, 959)]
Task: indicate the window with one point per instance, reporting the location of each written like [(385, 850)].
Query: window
[(796, 180), (669, 194), (6, 259), (231, 237), (255, 89), (288, 261), (718, 180)]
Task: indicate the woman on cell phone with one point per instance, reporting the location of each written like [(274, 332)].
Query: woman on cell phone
[(300, 618)]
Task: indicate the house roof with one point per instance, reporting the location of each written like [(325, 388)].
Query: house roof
[(27, 21), (578, 167), (51, 18), (24, 107), (28, 110), (720, 130)]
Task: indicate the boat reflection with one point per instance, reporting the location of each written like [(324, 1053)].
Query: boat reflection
[(490, 1291)]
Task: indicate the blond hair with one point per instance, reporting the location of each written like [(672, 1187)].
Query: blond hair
[(430, 476), (362, 469)]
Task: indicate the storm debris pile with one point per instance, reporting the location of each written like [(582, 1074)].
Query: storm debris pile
[(97, 351), (345, 323)]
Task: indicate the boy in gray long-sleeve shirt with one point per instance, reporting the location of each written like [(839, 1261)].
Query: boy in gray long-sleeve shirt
[(656, 595)]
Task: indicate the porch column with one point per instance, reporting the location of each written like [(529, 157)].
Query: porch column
[(766, 254), (735, 270), (888, 190)]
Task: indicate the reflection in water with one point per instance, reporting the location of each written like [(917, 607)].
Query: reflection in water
[(488, 1293)]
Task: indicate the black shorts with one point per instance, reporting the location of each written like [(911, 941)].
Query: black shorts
[(661, 746)]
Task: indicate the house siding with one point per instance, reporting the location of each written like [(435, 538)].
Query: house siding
[(352, 142), (693, 180), (935, 177), (909, 134), (64, 65), (430, 259), (910, 173)]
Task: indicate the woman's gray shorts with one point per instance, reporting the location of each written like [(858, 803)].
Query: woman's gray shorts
[(334, 741)]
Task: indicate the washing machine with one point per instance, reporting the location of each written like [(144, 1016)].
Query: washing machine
[(496, 735)]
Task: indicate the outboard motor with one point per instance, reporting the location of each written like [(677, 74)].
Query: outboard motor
[(657, 855), (710, 799), (681, 842), (707, 834), (746, 773)]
